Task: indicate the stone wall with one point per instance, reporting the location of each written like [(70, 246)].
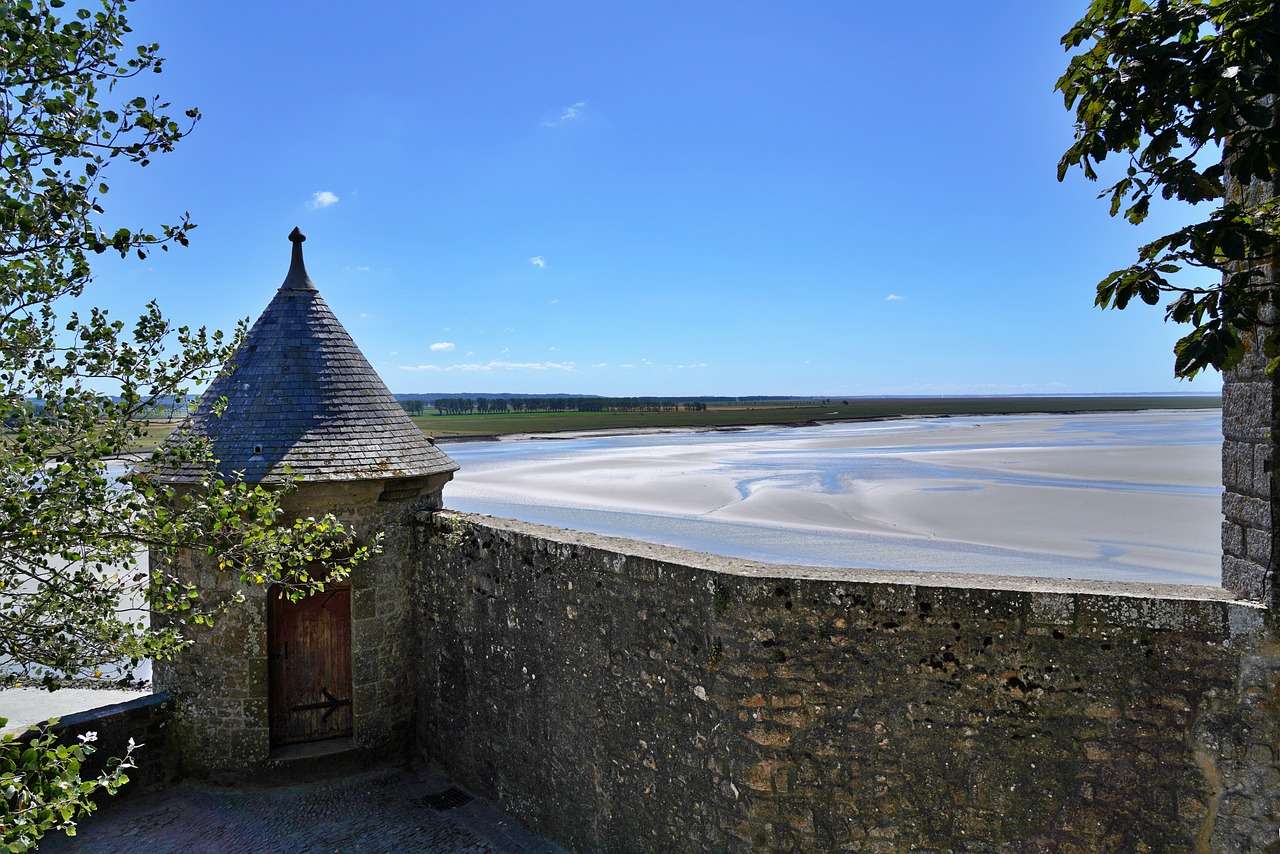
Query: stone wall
[(1248, 400), (220, 682), (146, 720), (623, 696), (1250, 420)]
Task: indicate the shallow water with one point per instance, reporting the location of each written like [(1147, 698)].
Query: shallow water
[(1125, 496)]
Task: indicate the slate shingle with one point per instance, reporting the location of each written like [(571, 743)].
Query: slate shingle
[(300, 395)]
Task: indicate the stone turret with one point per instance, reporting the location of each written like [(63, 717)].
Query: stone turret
[(302, 398), (303, 402)]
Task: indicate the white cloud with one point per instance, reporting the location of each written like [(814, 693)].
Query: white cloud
[(894, 298), (649, 364), (539, 262), (571, 113), (554, 349), (323, 199), (553, 302), (492, 365), (442, 346)]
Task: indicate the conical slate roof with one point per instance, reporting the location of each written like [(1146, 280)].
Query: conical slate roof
[(302, 399)]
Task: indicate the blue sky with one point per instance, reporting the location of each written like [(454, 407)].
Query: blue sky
[(709, 198)]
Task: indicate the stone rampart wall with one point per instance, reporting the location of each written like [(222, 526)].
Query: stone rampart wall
[(623, 696), (148, 721)]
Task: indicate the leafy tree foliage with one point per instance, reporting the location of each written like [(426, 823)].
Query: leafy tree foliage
[(1185, 91), (41, 783), (76, 387)]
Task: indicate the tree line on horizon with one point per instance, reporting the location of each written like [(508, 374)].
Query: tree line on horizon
[(484, 406)]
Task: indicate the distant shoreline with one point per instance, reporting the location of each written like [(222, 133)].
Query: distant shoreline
[(1130, 495), (548, 425), (1134, 404)]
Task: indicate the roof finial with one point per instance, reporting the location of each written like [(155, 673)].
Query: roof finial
[(297, 279)]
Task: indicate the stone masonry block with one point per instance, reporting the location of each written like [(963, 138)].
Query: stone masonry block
[(1244, 577), (1246, 411), (1258, 546), (1233, 539), (1262, 470), (1052, 610), (1237, 466), (1247, 511)]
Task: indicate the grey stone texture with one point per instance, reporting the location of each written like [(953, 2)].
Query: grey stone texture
[(1250, 417), (301, 398), (622, 696), (220, 681)]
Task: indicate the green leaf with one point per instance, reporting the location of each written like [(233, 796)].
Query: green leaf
[(1161, 85)]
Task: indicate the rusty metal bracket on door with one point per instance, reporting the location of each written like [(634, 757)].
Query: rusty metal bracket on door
[(329, 704)]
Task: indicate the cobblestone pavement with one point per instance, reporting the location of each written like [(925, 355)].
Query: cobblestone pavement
[(374, 811)]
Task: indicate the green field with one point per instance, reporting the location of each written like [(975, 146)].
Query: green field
[(155, 431), (790, 412)]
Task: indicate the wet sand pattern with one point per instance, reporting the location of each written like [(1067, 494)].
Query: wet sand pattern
[(1118, 496)]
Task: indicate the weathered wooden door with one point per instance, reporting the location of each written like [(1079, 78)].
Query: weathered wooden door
[(309, 649)]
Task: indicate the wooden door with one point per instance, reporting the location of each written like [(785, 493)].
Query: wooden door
[(309, 649)]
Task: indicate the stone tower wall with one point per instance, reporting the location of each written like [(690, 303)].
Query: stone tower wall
[(1250, 423), (1249, 400), (220, 682)]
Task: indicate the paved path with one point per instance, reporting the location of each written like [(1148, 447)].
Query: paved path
[(374, 811)]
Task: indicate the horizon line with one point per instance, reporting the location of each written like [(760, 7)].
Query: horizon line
[(820, 396)]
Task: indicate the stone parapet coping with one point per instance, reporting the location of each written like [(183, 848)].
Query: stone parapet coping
[(923, 579), (107, 714)]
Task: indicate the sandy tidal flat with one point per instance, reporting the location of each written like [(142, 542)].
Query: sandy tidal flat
[(1128, 496)]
